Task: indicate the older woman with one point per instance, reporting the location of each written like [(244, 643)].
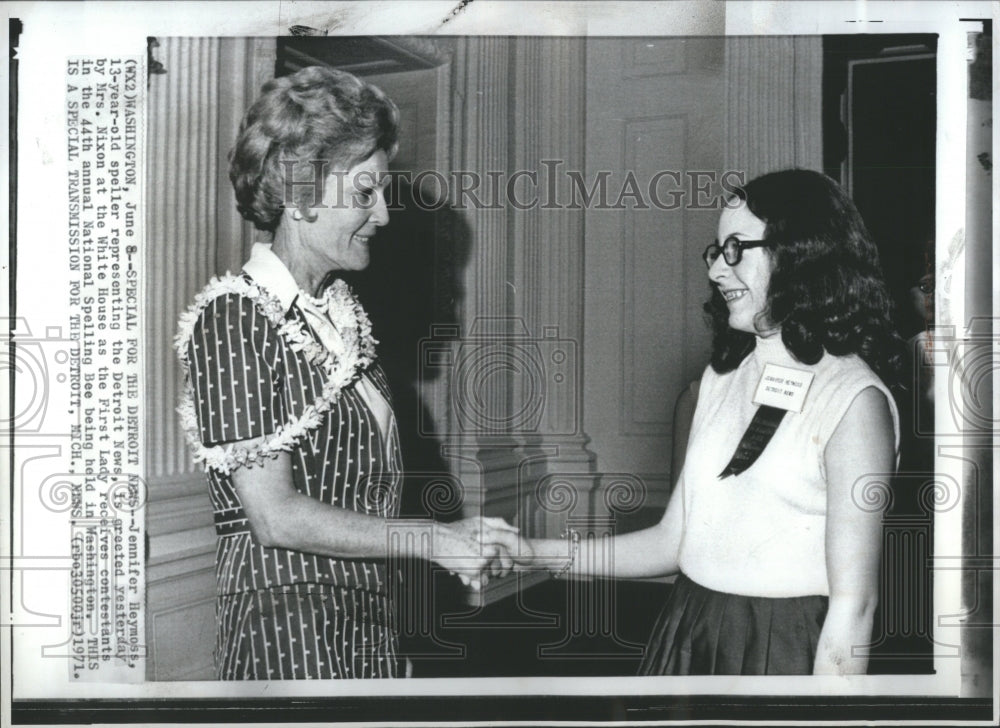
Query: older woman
[(771, 525), (289, 410)]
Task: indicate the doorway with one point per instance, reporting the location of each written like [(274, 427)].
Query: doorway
[(880, 113)]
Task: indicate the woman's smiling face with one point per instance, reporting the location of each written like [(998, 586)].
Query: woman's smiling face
[(744, 285), (354, 206)]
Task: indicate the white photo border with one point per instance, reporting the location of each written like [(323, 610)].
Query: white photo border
[(99, 28)]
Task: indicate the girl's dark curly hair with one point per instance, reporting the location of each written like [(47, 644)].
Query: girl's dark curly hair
[(313, 120), (826, 290)]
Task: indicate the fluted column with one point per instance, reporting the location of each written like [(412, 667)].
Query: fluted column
[(193, 233), (181, 184), (478, 383), (548, 238), (182, 240), (483, 69), (238, 60), (518, 121), (774, 89), (547, 266)]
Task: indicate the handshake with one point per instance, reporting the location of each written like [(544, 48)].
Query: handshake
[(476, 549)]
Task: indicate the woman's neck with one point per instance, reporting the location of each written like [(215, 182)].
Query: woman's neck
[(770, 347), (290, 252)]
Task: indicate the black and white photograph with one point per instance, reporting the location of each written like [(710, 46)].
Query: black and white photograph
[(489, 362)]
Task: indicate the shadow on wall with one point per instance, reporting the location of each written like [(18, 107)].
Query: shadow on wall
[(412, 284)]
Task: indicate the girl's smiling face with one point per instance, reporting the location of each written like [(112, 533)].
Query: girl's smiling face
[(744, 285)]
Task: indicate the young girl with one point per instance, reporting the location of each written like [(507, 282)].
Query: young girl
[(774, 527)]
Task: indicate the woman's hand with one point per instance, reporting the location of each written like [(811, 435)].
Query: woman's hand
[(496, 532), (653, 551), (459, 548), (493, 540)]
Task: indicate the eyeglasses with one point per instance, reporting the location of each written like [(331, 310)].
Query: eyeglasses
[(731, 249)]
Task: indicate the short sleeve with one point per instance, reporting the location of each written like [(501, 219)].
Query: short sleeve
[(234, 362)]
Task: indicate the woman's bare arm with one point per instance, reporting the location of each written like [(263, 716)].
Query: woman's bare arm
[(650, 552), (860, 455), (280, 516)]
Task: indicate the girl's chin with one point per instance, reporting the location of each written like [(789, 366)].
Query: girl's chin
[(751, 329), (741, 325)]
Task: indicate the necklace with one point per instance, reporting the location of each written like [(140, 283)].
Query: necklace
[(340, 370)]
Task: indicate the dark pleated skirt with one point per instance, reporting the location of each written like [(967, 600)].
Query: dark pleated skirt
[(705, 632)]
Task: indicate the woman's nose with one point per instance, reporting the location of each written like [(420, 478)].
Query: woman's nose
[(719, 269), (380, 210)]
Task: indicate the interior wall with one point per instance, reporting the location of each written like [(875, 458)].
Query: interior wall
[(516, 394), (654, 107), (774, 103), (703, 112)]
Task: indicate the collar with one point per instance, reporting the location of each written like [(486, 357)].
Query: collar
[(771, 350), (267, 269)]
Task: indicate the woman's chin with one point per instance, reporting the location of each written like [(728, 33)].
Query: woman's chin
[(737, 323)]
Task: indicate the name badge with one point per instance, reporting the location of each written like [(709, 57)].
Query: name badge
[(783, 387)]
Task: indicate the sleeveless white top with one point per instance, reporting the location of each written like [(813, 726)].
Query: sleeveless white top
[(762, 532)]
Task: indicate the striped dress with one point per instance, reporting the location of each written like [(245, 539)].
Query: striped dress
[(286, 614)]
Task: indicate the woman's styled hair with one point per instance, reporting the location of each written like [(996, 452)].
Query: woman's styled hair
[(826, 290), (310, 123)]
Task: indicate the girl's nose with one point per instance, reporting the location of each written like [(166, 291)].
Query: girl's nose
[(719, 269)]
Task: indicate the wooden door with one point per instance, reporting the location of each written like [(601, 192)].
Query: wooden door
[(655, 109)]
